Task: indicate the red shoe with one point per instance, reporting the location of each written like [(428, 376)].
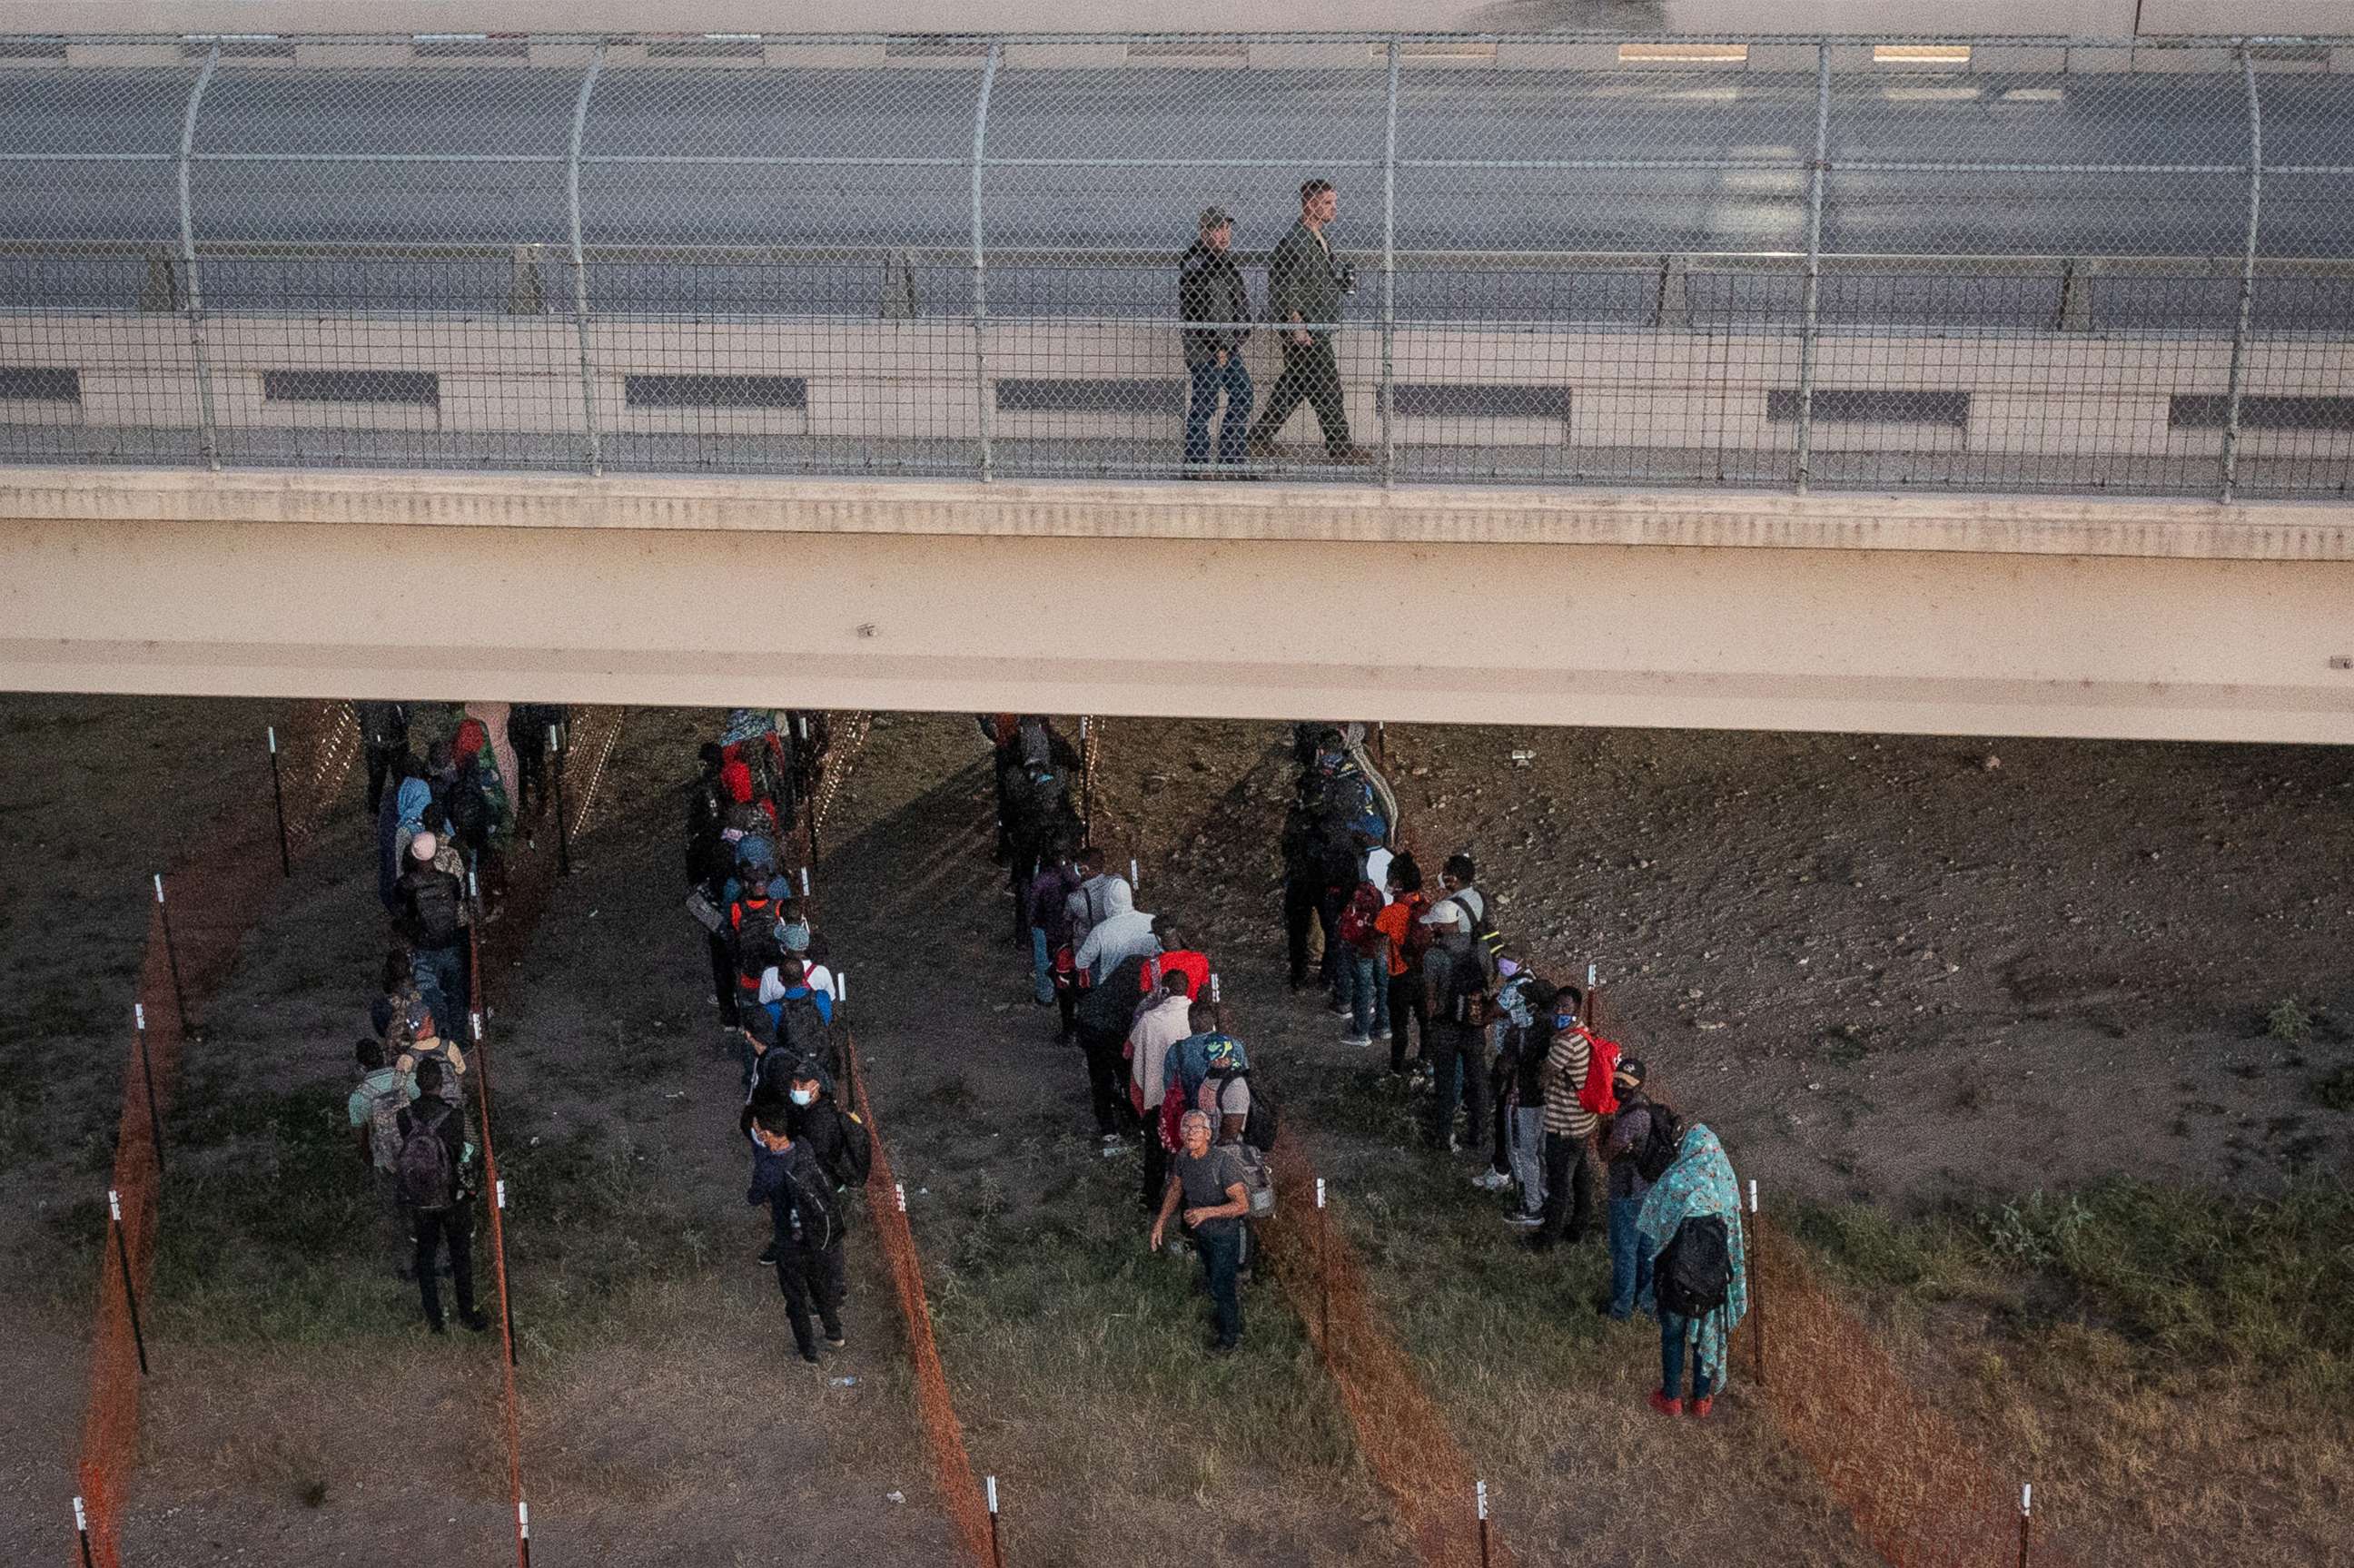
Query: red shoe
[(1664, 1405), (1700, 1407)]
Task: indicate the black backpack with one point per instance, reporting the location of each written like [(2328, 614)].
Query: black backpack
[(1696, 1271), (428, 1178), (435, 897), (1662, 1143), (802, 1030), (1259, 1124), (470, 807)]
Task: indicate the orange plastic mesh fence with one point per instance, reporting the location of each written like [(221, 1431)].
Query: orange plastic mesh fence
[(594, 732), (1919, 1496), (960, 1493), (208, 904)]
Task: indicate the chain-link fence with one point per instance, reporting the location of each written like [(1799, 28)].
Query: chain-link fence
[(1999, 264)]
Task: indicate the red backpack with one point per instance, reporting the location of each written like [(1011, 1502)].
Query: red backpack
[(1355, 926), (1599, 1094)]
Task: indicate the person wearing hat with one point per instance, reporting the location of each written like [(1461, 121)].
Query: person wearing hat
[(431, 919), (424, 1043), (1454, 1039), (1630, 1266), (1210, 293)]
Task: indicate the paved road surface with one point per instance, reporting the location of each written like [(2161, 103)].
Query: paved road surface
[(1300, 122)]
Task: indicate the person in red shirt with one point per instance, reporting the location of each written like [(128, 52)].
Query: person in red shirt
[(1401, 922)]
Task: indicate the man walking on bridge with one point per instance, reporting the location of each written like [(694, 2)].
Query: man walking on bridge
[(1305, 285), (1216, 307)]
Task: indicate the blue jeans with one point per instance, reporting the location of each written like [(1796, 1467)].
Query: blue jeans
[(1208, 380), (1222, 1257), (1630, 1265), (442, 982), (1042, 967), (1368, 994), (1672, 1329)]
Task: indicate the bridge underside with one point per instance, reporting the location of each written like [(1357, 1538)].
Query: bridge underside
[(1963, 615)]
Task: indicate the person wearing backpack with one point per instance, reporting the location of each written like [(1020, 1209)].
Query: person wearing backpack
[(431, 920), (1365, 966), (374, 1107), (1159, 1026), (1213, 1189), (1457, 1033), (1631, 1133), (1526, 1034), (1690, 1226), (423, 1043), (1406, 940), (1568, 1124), (433, 1151), (384, 741), (1105, 1016), (806, 1228)]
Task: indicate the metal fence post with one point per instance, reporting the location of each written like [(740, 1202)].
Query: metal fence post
[(2247, 276), (1389, 277), (1810, 296), (580, 262), (982, 390), (208, 431)]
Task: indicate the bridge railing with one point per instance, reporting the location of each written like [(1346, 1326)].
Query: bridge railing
[(1989, 264)]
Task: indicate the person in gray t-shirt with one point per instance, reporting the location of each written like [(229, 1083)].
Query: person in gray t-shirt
[(1209, 1180)]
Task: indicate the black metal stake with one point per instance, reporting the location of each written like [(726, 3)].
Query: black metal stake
[(81, 1528), (278, 796), (563, 825), (172, 958), (130, 1293), (147, 1072)]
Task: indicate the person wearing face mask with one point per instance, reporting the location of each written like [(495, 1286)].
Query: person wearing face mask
[(836, 1139)]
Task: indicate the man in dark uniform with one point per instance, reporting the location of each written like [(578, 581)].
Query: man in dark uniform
[(1210, 290), (1305, 285)]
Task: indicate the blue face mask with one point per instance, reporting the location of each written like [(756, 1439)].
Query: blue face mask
[(803, 1097), (1562, 1020)]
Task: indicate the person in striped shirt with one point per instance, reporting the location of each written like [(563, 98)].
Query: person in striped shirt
[(1568, 1125)]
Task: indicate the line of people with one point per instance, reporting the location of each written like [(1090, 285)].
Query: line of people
[(776, 995), (1513, 1070), (445, 819)]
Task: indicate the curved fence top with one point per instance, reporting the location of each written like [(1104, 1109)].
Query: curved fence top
[(1789, 188)]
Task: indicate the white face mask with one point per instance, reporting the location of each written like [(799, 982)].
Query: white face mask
[(804, 1096)]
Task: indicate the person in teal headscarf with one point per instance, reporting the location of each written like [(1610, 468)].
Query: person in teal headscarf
[(1698, 1185)]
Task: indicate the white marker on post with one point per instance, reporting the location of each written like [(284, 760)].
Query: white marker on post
[(273, 740), (114, 1204), (842, 985), (2026, 1499), (804, 882), (1589, 977), (1483, 1498), (502, 1191), (81, 1518), (1753, 1195), (899, 1195), (1132, 878), (551, 737), (801, 725), (1320, 1192), (475, 1018), (159, 887), (992, 1494), (522, 1519), (1214, 985), (139, 1013)]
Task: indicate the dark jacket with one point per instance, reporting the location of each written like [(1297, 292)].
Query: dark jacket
[(1111, 1007), (383, 726), (1628, 1132), (799, 1198), (430, 901), (1210, 288), (1303, 278), (836, 1138), (709, 857)]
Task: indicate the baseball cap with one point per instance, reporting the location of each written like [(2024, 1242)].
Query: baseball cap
[(1215, 217), (422, 846), (1446, 912)]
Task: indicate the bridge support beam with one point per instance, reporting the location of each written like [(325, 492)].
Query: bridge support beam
[(1938, 615)]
